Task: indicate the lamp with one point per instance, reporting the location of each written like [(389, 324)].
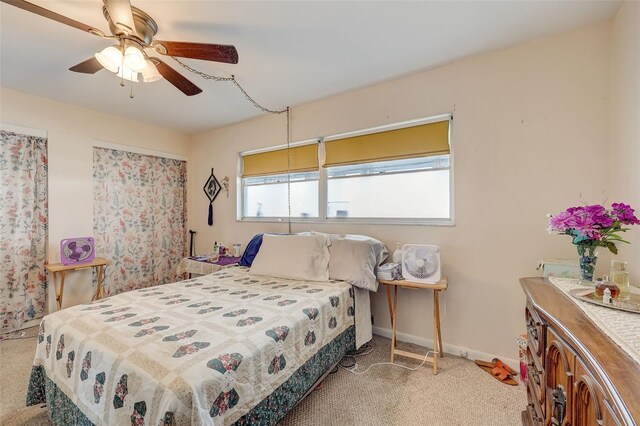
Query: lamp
[(129, 64), (110, 58), (134, 59), (128, 74), (150, 73)]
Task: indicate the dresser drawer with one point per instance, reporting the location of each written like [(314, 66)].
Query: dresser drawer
[(535, 375), (536, 334), (534, 409)]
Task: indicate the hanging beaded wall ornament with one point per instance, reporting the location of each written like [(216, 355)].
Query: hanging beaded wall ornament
[(212, 188)]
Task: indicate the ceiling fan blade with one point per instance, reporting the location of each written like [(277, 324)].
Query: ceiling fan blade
[(121, 15), (90, 66), (175, 78), (208, 52), (30, 7)]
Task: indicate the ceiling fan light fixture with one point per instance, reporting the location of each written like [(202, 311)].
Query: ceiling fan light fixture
[(110, 58), (150, 73), (134, 59), (128, 74)]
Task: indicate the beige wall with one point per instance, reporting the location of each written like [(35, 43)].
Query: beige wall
[(71, 131), (529, 136), (625, 121)]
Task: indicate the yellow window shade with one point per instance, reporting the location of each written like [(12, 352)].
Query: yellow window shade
[(409, 142), (302, 159)]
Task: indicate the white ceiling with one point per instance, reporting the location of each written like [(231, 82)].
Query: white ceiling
[(290, 52)]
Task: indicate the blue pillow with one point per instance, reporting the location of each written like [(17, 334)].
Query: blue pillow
[(251, 251)]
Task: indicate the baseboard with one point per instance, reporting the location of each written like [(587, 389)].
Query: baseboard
[(32, 323), (448, 348), (28, 324)]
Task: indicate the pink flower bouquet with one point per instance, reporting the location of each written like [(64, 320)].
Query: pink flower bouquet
[(595, 225), (591, 227)]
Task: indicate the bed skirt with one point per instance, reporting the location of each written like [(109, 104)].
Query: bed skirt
[(62, 411)]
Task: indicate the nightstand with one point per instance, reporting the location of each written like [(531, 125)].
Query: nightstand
[(199, 265), (437, 336), (99, 264)]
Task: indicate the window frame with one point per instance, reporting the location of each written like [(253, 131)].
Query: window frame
[(323, 181), (275, 218)]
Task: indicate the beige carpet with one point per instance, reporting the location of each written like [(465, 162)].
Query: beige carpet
[(461, 393)]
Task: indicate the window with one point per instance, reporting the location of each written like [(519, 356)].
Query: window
[(414, 188), (265, 183), (396, 174), (266, 196)]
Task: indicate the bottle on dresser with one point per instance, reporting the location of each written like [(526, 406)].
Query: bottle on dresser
[(620, 277)]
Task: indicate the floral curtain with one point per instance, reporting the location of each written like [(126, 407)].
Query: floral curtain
[(139, 217), (23, 229)]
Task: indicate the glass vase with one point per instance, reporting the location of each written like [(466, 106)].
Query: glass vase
[(588, 259)]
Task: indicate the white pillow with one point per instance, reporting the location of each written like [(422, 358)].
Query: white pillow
[(353, 261), (379, 248), (301, 257)]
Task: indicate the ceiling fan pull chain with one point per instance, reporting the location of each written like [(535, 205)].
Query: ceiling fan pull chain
[(234, 81), (131, 92), (121, 68), (253, 101)]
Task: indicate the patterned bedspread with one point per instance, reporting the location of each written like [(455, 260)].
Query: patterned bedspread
[(201, 351)]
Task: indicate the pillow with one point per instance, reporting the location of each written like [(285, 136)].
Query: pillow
[(353, 261), (301, 257), (380, 249), (251, 251)]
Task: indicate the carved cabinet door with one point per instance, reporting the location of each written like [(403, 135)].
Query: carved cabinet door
[(560, 378), (587, 411), (590, 405)]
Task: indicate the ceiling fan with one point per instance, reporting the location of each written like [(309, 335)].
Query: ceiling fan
[(133, 30)]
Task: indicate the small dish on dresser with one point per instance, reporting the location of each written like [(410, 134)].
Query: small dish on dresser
[(589, 295)]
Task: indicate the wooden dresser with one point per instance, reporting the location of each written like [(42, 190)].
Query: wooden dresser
[(577, 375)]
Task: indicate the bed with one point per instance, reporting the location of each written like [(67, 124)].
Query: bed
[(226, 348)]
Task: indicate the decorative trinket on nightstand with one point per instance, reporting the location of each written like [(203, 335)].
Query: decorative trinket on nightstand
[(606, 296)]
